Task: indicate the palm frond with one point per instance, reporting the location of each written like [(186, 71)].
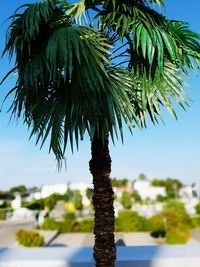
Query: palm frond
[(74, 79)]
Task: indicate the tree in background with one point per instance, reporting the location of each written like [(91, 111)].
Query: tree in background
[(142, 177), (78, 204), (126, 200), (21, 189), (119, 182), (89, 193), (136, 197), (197, 208), (77, 77), (172, 186), (50, 202)]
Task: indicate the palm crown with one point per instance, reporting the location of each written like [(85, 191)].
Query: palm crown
[(77, 74)]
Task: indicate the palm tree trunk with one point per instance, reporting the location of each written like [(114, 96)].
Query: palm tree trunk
[(103, 197)]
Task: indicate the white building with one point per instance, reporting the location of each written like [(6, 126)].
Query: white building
[(16, 203), (146, 190), (189, 191), (82, 188), (49, 189)]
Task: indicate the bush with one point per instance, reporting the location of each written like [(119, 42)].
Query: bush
[(178, 236), (136, 197), (66, 226), (126, 200), (157, 222), (161, 198), (34, 205), (50, 202), (174, 220), (84, 226), (197, 208), (175, 213), (2, 214), (195, 222), (28, 238), (70, 216), (50, 224), (78, 200), (131, 221)]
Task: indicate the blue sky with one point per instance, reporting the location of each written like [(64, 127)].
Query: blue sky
[(159, 151)]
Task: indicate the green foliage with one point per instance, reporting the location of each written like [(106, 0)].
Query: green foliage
[(3, 204), (84, 226), (172, 186), (28, 238), (50, 224), (21, 189), (50, 202), (78, 204), (197, 208), (195, 222), (130, 221), (126, 200), (176, 214), (119, 182), (34, 205), (69, 220), (2, 214), (178, 236), (89, 193), (158, 223), (142, 177), (69, 80), (136, 197), (174, 221), (161, 198), (70, 216)]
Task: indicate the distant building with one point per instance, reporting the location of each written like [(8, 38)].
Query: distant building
[(189, 191), (49, 189), (146, 190), (16, 203)]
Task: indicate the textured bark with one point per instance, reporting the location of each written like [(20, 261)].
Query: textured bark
[(103, 197)]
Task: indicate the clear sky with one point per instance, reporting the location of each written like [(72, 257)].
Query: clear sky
[(159, 151)]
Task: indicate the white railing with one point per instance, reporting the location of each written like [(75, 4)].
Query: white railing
[(145, 256)]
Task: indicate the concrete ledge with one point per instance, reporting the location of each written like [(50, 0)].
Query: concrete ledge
[(148, 256)]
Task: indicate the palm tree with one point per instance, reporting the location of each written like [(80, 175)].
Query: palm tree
[(92, 67)]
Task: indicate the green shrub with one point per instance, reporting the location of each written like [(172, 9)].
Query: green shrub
[(177, 236), (70, 216), (84, 226), (161, 198), (78, 200), (131, 221), (195, 222), (66, 226), (176, 214), (34, 205), (50, 224), (136, 197), (197, 208), (174, 220), (50, 202), (126, 200), (28, 238), (157, 222), (2, 214)]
